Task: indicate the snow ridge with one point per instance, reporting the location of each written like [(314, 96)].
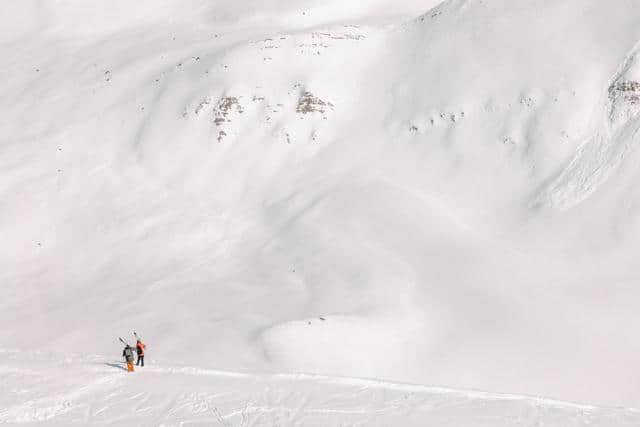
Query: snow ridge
[(602, 153)]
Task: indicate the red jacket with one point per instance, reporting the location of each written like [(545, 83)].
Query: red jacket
[(140, 348)]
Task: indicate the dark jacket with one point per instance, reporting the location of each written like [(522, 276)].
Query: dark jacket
[(127, 353)]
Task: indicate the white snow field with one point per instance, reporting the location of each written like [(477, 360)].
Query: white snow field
[(92, 391), (283, 196)]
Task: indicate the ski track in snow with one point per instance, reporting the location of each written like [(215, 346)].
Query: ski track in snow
[(91, 391)]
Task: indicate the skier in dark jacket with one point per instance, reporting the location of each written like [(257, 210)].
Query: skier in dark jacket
[(127, 353)]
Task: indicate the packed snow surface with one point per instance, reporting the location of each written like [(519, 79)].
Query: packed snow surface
[(100, 392), (424, 192)]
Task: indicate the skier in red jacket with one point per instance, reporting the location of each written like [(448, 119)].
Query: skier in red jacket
[(140, 350)]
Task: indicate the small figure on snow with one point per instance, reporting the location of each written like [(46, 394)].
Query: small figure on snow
[(127, 353), (140, 350)]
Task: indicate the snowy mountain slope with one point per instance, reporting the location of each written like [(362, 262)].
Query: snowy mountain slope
[(450, 187), (603, 152), (41, 390)]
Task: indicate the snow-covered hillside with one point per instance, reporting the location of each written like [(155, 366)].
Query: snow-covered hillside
[(426, 192)]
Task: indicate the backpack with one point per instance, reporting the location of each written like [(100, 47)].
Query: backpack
[(128, 354)]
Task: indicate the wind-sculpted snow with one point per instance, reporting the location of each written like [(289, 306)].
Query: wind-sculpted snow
[(601, 154), (416, 191)]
